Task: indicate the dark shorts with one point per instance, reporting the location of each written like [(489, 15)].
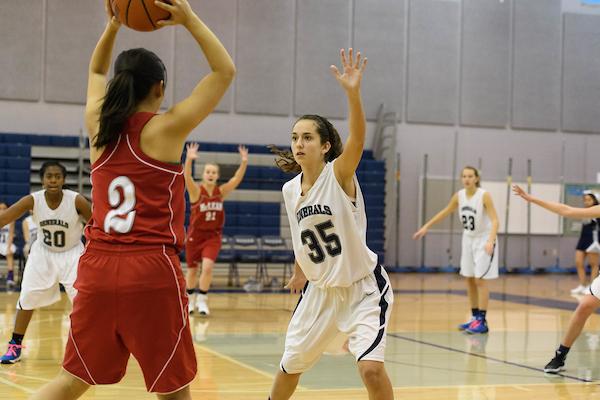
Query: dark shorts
[(585, 241), (131, 300)]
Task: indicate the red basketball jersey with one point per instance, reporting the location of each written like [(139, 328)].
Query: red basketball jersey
[(207, 213), (136, 199)]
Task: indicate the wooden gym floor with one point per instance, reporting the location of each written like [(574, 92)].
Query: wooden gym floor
[(239, 346)]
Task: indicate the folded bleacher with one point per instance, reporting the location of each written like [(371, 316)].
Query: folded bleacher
[(254, 209)]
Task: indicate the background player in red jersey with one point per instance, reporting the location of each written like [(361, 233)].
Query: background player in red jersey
[(131, 292), (203, 240)]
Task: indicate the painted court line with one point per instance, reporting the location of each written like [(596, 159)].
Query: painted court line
[(16, 386), (483, 356), (239, 363)]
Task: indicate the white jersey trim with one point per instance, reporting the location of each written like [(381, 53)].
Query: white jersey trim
[(150, 164), (109, 156), (182, 317)]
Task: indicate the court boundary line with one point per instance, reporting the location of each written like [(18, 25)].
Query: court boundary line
[(240, 363), (483, 356)]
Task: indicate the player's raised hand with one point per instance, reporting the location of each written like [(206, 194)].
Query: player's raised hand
[(181, 12), (192, 151), (243, 150), (420, 233), (110, 14), (352, 70), (520, 192)]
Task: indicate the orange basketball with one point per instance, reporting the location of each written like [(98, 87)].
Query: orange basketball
[(140, 15)]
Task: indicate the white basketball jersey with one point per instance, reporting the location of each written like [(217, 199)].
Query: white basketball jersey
[(32, 227), (329, 231), (4, 231), (60, 229), (472, 214)]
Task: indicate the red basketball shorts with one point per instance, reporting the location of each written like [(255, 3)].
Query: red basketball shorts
[(199, 247), (130, 300)]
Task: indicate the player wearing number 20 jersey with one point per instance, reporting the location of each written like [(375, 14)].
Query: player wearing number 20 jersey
[(53, 259)]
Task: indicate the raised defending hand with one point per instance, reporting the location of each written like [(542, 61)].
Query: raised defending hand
[(520, 192), (352, 70), (181, 12), (243, 150), (192, 151), (420, 233)]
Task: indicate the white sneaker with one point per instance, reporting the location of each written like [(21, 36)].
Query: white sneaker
[(191, 302), (202, 305), (578, 290)]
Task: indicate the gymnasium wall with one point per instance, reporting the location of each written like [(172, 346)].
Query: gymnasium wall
[(512, 78)]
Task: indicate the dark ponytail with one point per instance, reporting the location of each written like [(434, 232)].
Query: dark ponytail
[(327, 133), (136, 72)]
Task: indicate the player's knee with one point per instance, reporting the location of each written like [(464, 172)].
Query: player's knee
[(479, 282), (183, 394), (207, 268), (587, 306), (371, 372), (70, 385)]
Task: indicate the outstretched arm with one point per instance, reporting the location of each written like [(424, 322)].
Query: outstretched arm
[(450, 208), (350, 80), (559, 208), (15, 211), (236, 179), (190, 184)]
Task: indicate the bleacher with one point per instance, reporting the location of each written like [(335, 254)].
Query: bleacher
[(254, 209)]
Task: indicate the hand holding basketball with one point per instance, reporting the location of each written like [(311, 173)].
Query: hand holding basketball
[(112, 20), (192, 151), (352, 70), (180, 10)]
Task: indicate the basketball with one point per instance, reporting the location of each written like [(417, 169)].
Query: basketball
[(140, 15)]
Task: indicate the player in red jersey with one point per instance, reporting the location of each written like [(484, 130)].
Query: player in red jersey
[(131, 291), (206, 223)]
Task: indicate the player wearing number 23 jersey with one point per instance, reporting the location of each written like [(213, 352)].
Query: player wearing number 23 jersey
[(479, 254)]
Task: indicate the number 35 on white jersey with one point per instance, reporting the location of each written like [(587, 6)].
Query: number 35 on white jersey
[(328, 231)]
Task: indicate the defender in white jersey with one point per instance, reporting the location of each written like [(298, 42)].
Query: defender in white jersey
[(590, 301), (479, 255), (7, 248), (53, 258), (344, 289)]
